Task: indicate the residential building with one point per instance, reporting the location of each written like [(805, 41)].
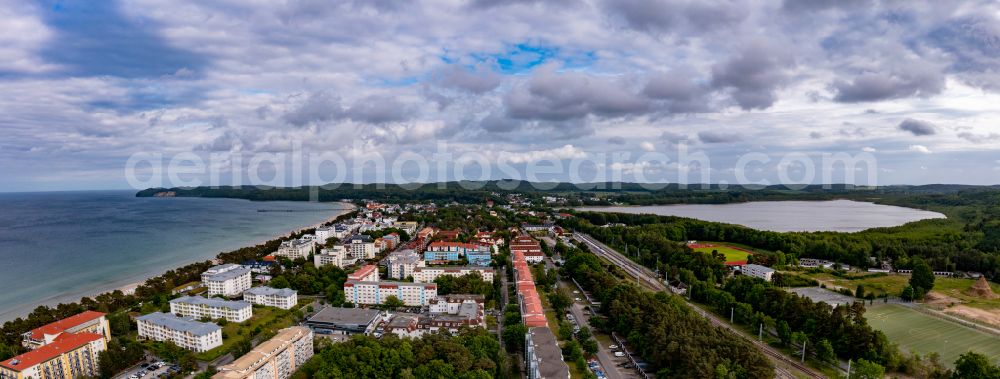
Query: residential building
[(324, 233), (412, 326), (426, 233), (370, 293), (528, 247), (366, 273), (757, 271), (226, 280), (409, 227), (85, 322), (361, 246), (336, 255), (449, 235), (401, 263), (428, 274), (333, 320), (276, 358), (443, 252), (70, 355), (543, 357), (199, 307), (260, 267), (184, 332), (283, 298), (451, 303), (297, 248)]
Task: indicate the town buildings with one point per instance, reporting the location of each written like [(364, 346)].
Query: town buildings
[(528, 247), (226, 280), (297, 248), (69, 355), (444, 252), (543, 357), (370, 293), (199, 307), (336, 255), (85, 322), (276, 358), (401, 263), (283, 298), (184, 332), (366, 273), (429, 273), (361, 246), (757, 271)]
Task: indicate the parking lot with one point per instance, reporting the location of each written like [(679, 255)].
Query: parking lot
[(823, 295), (148, 370)]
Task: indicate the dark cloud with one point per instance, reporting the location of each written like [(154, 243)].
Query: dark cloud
[(974, 43), (709, 136), (616, 140), (979, 138), (905, 80), (319, 106), (821, 5), (497, 123), (815, 135), (479, 79), (918, 127), (95, 38), (669, 16), (753, 75), (555, 96), (678, 91), (378, 109)]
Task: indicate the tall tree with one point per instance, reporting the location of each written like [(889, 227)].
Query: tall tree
[(922, 279)]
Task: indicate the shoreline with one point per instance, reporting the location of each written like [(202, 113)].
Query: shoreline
[(129, 287)]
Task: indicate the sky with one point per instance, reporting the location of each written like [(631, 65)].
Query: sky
[(140, 93)]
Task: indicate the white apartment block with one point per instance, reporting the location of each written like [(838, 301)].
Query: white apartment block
[(295, 249), (429, 273), (184, 332), (361, 246), (226, 280), (200, 307), (283, 298), (757, 271), (400, 264), (276, 358), (324, 233), (412, 294), (337, 256)]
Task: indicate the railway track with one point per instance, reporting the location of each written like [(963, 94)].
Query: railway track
[(644, 276)]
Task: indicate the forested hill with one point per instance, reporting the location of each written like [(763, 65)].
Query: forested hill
[(578, 193)]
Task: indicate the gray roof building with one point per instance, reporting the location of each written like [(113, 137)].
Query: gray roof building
[(212, 302), (182, 324), (544, 356), (268, 291), (344, 320), (224, 272)]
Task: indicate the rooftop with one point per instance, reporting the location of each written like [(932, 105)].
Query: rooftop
[(183, 324), (547, 354), (63, 344), (256, 357), (64, 324), (344, 316), (268, 291), (212, 302), (362, 272), (228, 274)]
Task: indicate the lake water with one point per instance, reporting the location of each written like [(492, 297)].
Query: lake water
[(789, 216), (60, 246)]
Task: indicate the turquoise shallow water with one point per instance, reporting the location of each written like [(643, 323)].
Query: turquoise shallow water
[(59, 246)]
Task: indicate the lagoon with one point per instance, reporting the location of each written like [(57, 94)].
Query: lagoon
[(788, 216)]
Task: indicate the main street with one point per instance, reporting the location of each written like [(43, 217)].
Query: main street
[(649, 280)]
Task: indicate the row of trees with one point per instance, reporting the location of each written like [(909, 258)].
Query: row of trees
[(663, 330)]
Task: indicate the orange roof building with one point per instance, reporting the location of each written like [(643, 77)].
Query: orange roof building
[(85, 322), (68, 355)]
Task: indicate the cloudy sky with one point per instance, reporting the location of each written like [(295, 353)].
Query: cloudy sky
[(85, 85)]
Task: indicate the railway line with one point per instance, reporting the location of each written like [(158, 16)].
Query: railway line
[(648, 279)]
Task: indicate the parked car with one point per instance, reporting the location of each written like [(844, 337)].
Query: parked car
[(612, 347), (619, 354)]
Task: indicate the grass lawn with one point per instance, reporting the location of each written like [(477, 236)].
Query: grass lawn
[(732, 255), (267, 318), (923, 333), (894, 284)]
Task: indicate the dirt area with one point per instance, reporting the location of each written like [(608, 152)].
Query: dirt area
[(953, 306)]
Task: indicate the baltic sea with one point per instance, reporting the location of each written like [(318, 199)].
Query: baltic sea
[(59, 246)]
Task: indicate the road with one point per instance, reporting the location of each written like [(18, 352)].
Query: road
[(647, 278)]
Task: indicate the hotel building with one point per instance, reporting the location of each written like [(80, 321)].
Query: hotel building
[(283, 298), (85, 322), (428, 274), (70, 355), (226, 280), (200, 307), (276, 358), (184, 332)]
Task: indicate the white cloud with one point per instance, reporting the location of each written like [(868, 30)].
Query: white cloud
[(920, 149), (869, 149), (647, 146), (564, 152)]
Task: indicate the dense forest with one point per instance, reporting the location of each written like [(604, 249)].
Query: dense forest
[(667, 333), (472, 354)]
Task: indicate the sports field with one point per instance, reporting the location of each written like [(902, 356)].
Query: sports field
[(733, 255), (922, 333)]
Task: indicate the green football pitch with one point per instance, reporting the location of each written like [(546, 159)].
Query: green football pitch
[(922, 333), (732, 255)]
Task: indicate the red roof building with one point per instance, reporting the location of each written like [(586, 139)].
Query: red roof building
[(77, 351), (88, 321)]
